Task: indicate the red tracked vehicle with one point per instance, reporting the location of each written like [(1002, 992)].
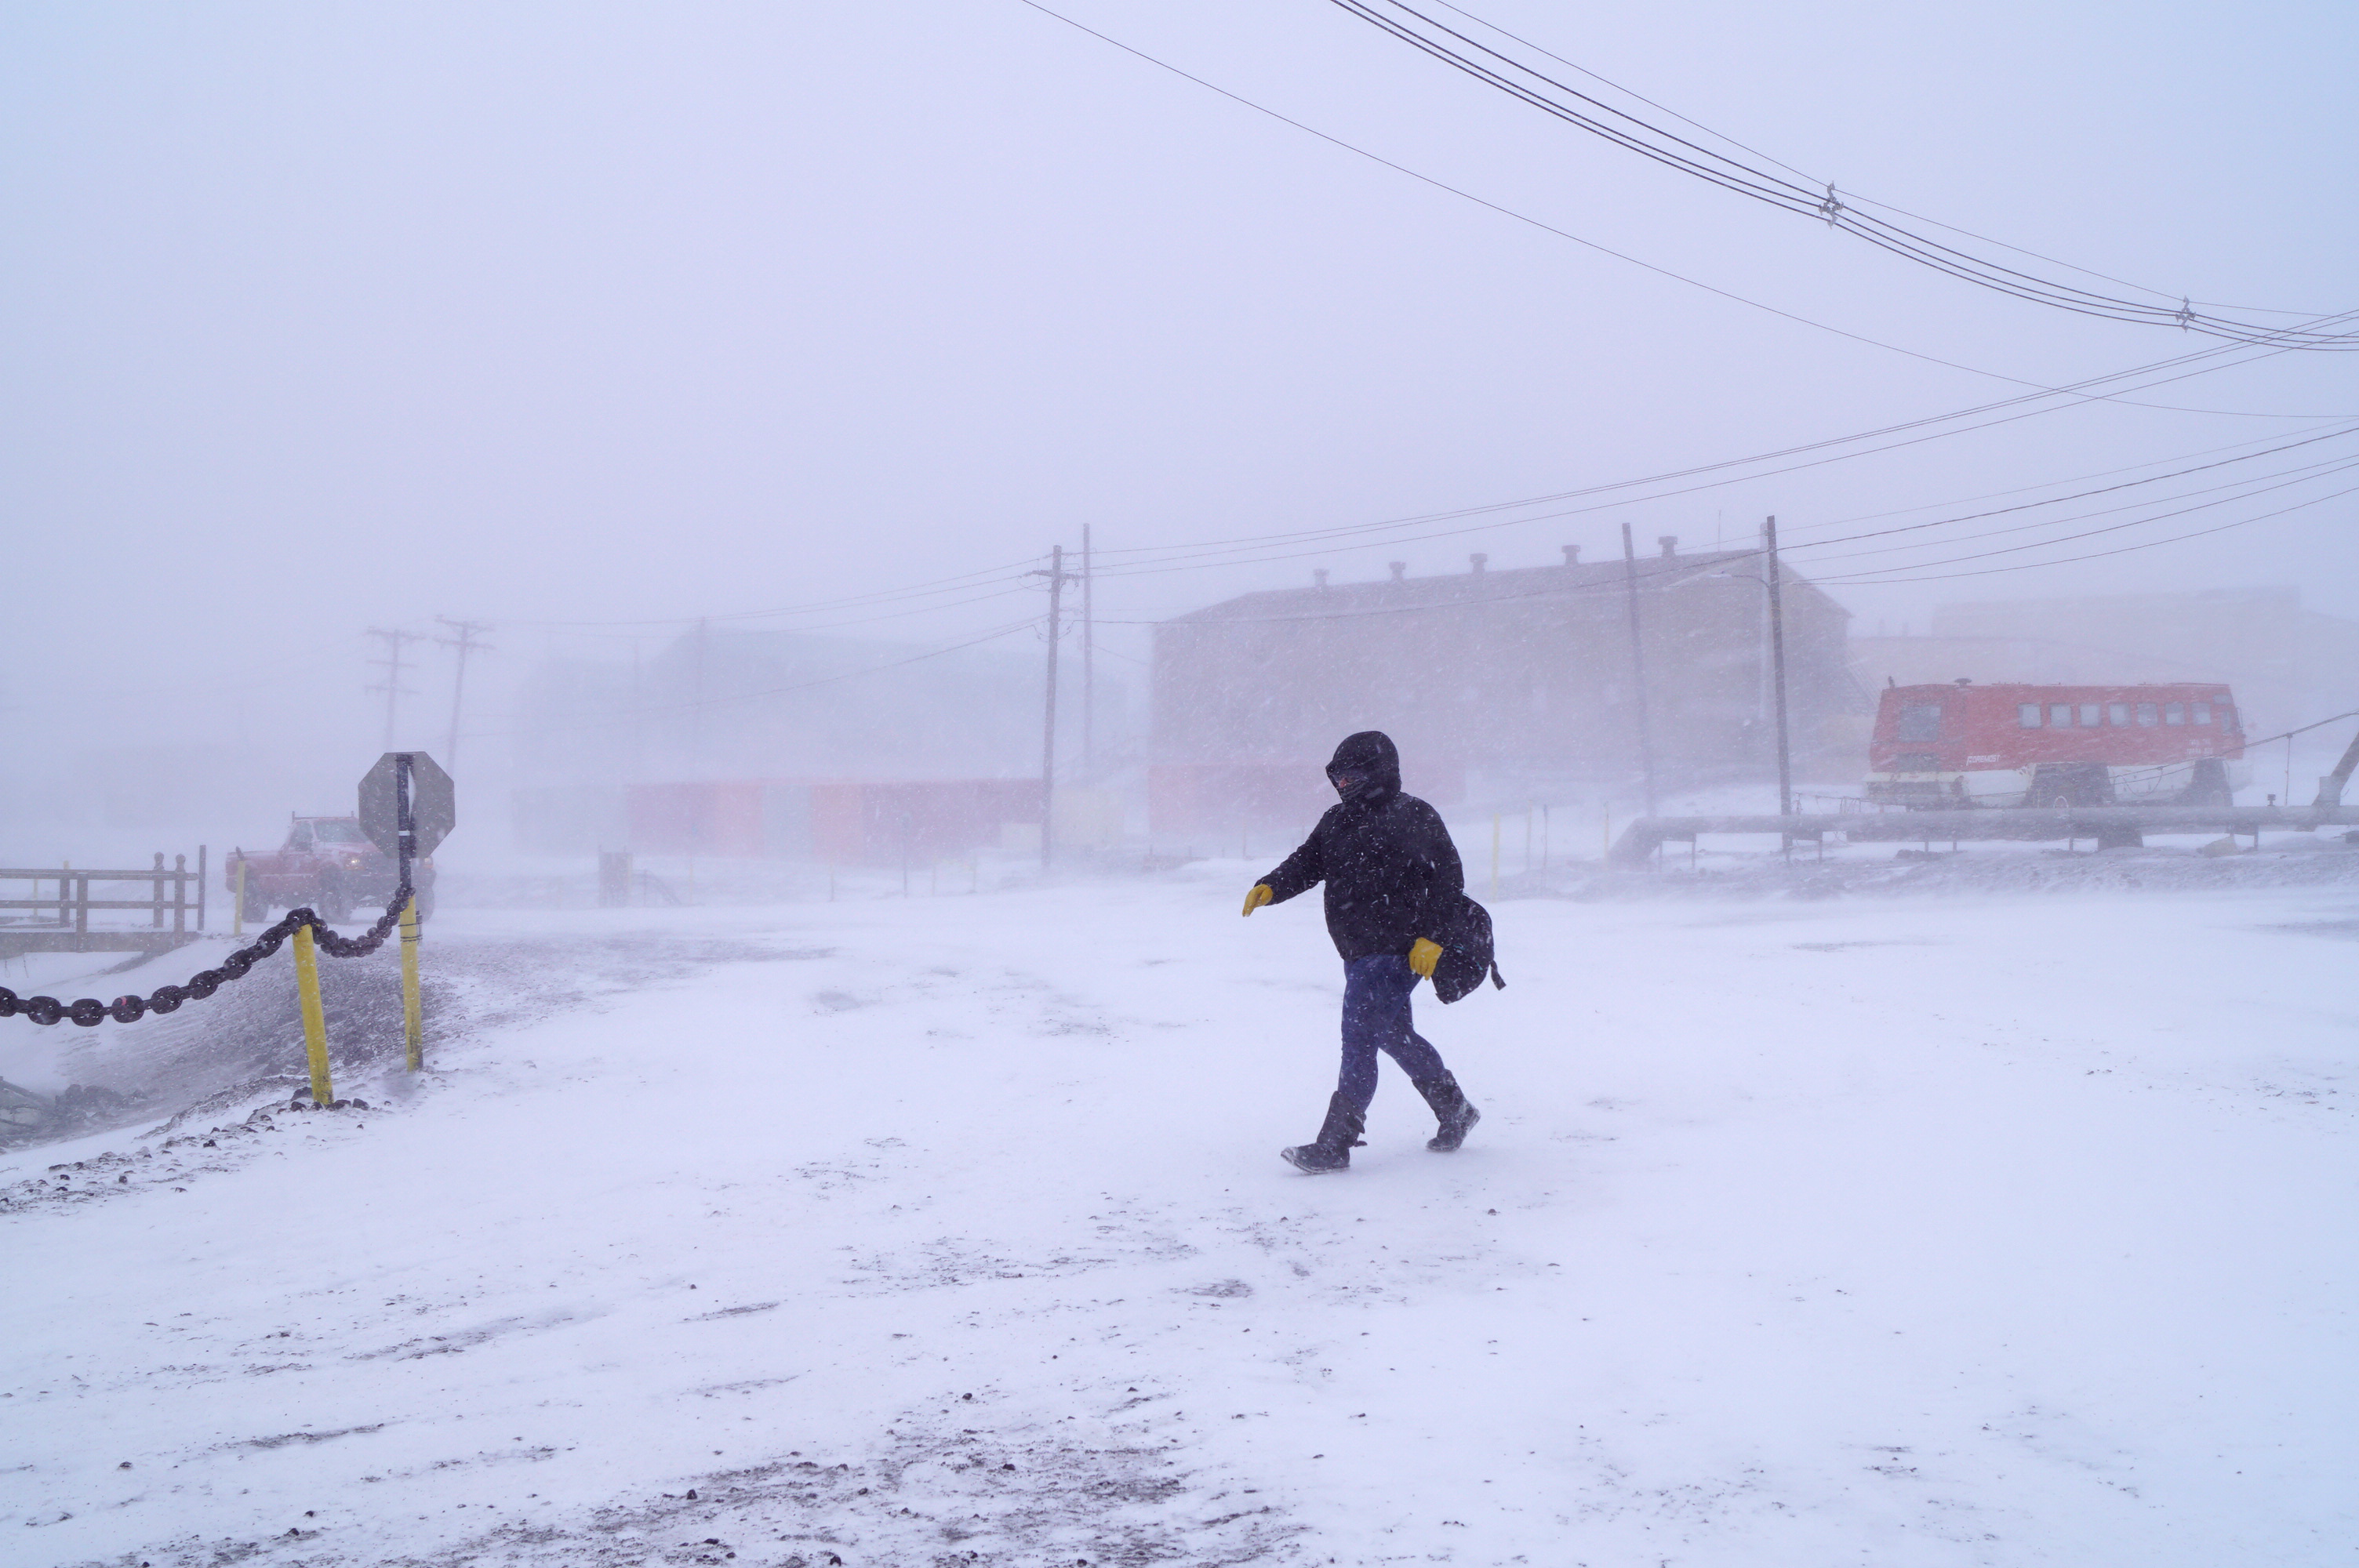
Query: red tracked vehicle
[(1968, 745)]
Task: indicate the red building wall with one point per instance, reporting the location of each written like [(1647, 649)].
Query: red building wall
[(841, 822)]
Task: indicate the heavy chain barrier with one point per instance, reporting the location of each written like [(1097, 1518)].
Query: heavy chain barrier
[(89, 1012)]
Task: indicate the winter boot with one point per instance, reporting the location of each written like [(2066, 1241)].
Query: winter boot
[(1331, 1150), (1450, 1109)]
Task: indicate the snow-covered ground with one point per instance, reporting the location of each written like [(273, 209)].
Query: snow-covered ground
[(1910, 1231)]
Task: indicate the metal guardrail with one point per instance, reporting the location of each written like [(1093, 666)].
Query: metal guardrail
[(60, 923), (2109, 825)]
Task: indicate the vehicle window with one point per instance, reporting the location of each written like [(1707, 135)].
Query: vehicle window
[(2060, 715), (2027, 715), (2174, 713), (2203, 713), (2228, 715), (2091, 715), (2146, 713), (341, 833), (300, 836), (1920, 721), (2118, 713)]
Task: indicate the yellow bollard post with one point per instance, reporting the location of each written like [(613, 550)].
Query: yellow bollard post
[(1494, 857), (315, 1022), (410, 1022)]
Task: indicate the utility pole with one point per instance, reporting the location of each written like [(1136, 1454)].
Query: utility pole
[(696, 710), (1057, 575), (393, 689), (696, 747), (1638, 668), (465, 642), (1089, 663), (1777, 672), (638, 716)]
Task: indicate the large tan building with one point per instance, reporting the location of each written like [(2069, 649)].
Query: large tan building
[(1497, 683)]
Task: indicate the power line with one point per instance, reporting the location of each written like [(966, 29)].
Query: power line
[(1853, 197), (938, 588), (2025, 489), (1362, 535), (2319, 471), (1532, 86), (1235, 552), (2290, 476), (2275, 341), (1689, 567), (1239, 551), (1525, 218), (2039, 392), (2058, 500), (1230, 552), (2100, 555)]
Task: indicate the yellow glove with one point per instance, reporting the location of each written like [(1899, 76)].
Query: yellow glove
[(1260, 895), (1423, 955)]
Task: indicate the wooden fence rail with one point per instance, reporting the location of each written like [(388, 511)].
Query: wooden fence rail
[(59, 921)]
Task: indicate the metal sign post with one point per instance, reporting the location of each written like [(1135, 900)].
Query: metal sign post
[(413, 1049), (412, 1030), (406, 809), (404, 824)]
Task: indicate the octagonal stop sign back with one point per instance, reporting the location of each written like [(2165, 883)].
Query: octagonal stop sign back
[(432, 812)]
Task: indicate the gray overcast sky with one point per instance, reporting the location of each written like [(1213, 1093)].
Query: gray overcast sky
[(324, 316)]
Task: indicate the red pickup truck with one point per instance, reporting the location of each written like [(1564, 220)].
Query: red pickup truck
[(328, 863)]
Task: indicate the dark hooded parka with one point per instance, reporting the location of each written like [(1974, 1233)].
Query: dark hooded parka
[(1391, 872)]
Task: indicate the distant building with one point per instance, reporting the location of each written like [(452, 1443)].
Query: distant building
[(1496, 684), (728, 703), (835, 822), (2288, 666), (739, 742)]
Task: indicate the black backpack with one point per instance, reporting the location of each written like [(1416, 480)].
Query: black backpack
[(1466, 953)]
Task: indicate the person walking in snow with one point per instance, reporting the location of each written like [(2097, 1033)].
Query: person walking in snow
[(1394, 882)]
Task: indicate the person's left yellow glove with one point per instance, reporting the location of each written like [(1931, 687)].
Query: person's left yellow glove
[(1423, 955), (1262, 894)]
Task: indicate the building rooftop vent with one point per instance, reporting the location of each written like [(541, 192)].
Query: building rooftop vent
[(1477, 561), (1319, 576), (1670, 543), (1401, 570), (1573, 555)]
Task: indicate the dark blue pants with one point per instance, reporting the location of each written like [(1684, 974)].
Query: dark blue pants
[(1377, 1018)]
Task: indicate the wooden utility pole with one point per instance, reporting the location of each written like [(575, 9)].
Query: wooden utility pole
[(393, 689), (465, 642), (1056, 575), (1089, 663), (1777, 671), (696, 706), (1638, 668), (696, 748)]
